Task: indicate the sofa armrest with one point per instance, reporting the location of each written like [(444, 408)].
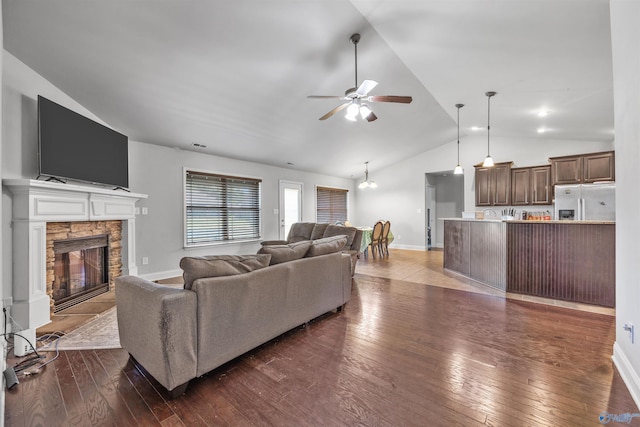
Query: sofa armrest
[(157, 326), (274, 242)]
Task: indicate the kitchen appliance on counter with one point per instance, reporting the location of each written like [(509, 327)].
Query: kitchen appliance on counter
[(584, 202)]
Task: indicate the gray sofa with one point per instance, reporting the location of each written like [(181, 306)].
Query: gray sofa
[(312, 231), (178, 334)]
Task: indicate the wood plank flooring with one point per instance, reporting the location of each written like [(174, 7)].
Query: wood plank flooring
[(401, 353)]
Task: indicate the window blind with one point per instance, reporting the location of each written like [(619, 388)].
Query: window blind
[(331, 205), (221, 208)]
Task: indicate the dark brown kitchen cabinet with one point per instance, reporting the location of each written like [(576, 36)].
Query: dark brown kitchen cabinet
[(531, 186), (493, 185), (541, 185), (583, 168), (520, 186)]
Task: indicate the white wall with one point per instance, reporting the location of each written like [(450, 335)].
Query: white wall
[(153, 170), (157, 171), (625, 38), (400, 193)]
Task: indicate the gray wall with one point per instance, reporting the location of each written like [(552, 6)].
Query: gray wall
[(625, 37)]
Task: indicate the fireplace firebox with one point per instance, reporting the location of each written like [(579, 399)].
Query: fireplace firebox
[(81, 270)]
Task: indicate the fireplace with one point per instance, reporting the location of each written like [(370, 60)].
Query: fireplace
[(80, 270), (40, 211)]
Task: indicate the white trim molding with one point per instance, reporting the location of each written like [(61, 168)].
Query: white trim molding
[(37, 202), (628, 374)]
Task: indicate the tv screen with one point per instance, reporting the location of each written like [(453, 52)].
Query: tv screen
[(74, 147)]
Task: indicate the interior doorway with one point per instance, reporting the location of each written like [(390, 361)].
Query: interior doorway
[(290, 206), (444, 198)]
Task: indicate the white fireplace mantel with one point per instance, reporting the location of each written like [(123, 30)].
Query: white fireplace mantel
[(37, 202)]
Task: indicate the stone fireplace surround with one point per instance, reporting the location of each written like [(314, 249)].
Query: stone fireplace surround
[(36, 203)]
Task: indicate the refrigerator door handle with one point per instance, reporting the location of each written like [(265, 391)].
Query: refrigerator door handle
[(583, 211)]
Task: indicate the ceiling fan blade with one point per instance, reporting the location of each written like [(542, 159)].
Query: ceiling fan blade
[(391, 98), (371, 117), (366, 87), (325, 96), (335, 110)]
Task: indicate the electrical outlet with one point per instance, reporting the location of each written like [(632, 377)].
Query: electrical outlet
[(145, 210), (145, 260)]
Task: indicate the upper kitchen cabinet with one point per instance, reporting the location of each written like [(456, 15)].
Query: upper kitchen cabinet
[(583, 168), (493, 185), (531, 186)]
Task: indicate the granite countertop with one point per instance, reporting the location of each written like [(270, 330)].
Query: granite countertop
[(517, 221)]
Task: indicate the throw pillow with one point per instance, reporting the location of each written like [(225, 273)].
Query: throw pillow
[(318, 231), (326, 245), (284, 253), (336, 230), (220, 265)]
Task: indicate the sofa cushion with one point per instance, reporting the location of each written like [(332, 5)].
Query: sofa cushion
[(284, 253), (318, 231), (220, 265), (337, 230), (326, 245), (300, 231)]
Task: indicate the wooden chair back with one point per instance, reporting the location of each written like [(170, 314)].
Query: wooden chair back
[(376, 234), (385, 230)]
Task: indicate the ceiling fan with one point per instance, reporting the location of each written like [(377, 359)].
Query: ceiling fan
[(356, 99)]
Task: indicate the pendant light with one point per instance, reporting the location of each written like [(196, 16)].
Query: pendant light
[(488, 162), (366, 183), (458, 170)]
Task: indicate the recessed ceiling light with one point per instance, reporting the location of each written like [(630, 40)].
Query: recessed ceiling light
[(542, 130), (476, 128), (543, 112)]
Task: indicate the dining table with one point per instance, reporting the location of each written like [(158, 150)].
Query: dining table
[(366, 237)]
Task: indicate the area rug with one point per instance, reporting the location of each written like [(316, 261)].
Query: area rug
[(100, 333)]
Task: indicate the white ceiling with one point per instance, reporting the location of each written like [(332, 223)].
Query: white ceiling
[(234, 75)]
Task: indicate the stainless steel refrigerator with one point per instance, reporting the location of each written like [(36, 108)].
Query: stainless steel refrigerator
[(595, 202)]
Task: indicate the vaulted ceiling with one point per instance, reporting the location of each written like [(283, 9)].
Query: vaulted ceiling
[(234, 75)]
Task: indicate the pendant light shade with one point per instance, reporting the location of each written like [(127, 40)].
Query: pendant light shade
[(367, 183), (488, 162), (458, 170)]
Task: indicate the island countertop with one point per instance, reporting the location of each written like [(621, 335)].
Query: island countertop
[(529, 221), (568, 260)]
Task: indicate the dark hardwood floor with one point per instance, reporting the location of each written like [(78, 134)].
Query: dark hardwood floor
[(400, 354)]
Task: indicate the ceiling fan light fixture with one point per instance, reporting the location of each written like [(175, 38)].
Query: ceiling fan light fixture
[(352, 112), (364, 111)]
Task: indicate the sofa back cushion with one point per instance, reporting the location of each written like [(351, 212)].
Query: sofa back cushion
[(318, 231), (326, 245), (220, 265), (300, 231), (338, 230), (284, 253)]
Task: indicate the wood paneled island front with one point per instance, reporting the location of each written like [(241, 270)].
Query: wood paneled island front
[(567, 260)]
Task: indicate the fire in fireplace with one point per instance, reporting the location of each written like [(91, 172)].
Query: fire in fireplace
[(81, 270)]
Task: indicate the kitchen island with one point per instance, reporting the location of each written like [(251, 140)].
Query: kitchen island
[(567, 260)]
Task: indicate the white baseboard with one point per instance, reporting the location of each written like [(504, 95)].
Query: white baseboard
[(162, 275), (628, 374), (407, 247)]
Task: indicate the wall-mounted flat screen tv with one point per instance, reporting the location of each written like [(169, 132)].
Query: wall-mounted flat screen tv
[(71, 146)]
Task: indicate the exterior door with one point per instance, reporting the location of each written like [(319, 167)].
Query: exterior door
[(290, 206)]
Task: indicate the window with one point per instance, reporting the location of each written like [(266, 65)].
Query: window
[(331, 205), (221, 208)]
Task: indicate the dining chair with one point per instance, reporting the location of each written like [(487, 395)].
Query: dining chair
[(384, 238), (376, 235)]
